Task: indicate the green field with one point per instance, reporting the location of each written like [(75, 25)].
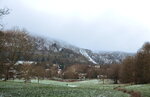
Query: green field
[(143, 89), (49, 88)]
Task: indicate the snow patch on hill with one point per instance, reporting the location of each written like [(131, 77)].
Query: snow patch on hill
[(84, 53)]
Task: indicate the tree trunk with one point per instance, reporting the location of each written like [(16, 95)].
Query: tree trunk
[(6, 74), (115, 81), (38, 80)]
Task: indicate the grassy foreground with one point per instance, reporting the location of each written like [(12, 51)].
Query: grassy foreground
[(89, 88), (143, 89)]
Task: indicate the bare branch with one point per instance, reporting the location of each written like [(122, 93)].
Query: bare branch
[(4, 11)]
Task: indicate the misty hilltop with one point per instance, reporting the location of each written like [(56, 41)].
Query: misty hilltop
[(59, 52)]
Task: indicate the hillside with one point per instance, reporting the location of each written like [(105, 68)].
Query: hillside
[(59, 52)]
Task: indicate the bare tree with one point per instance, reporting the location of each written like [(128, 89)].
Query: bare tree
[(39, 72), (70, 72), (26, 72), (17, 45), (74, 71), (143, 64), (91, 73), (3, 12), (1, 57), (127, 71), (113, 72)]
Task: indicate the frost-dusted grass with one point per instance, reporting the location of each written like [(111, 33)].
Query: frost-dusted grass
[(90, 88), (143, 89)]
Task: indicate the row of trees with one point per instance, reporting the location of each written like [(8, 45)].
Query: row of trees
[(76, 71), (134, 69), (81, 71), (30, 71), (137, 69)]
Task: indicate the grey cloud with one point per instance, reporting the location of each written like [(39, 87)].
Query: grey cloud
[(108, 32)]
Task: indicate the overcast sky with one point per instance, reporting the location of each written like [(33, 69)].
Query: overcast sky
[(104, 25)]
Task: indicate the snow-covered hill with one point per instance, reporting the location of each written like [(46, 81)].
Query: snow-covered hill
[(76, 53)]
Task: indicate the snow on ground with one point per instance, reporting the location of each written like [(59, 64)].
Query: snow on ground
[(72, 85), (84, 53)]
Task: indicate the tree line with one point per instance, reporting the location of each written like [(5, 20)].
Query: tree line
[(134, 69)]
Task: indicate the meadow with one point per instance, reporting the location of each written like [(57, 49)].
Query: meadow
[(50, 88)]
